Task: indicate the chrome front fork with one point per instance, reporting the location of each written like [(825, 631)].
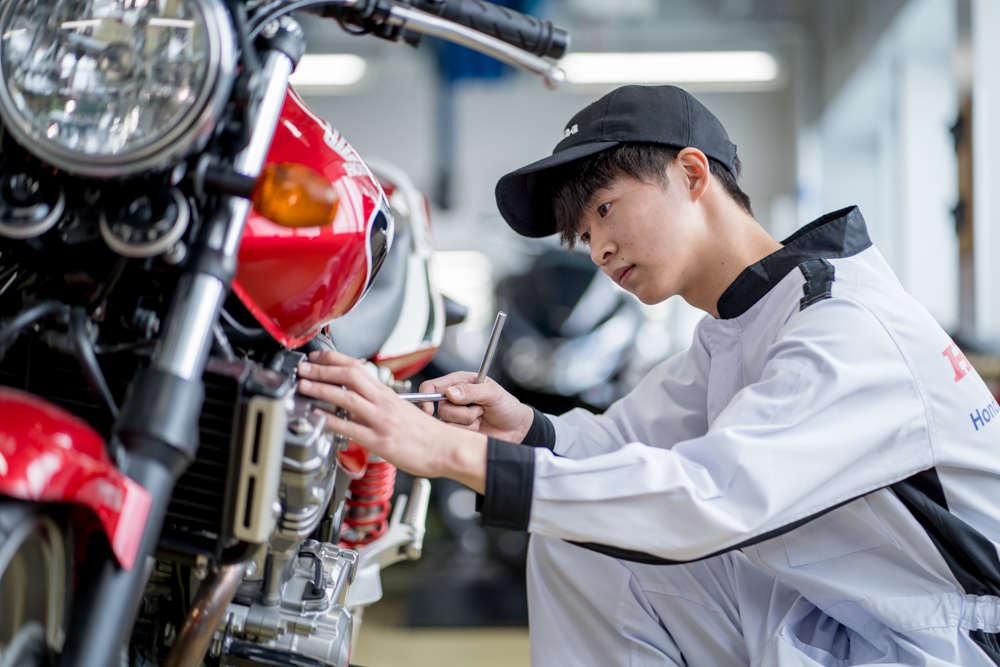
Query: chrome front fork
[(184, 347)]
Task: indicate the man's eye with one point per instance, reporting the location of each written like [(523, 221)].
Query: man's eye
[(603, 209), (585, 237)]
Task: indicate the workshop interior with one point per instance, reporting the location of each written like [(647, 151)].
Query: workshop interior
[(196, 194)]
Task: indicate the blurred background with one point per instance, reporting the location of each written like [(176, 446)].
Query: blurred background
[(893, 105)]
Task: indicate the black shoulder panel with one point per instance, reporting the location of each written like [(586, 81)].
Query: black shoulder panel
[(819, 275), (834, 236)]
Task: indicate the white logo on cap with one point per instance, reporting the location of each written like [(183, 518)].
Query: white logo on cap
[(569, 131)]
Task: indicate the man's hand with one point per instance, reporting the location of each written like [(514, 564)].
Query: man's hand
[(485, 407), (390, 427)]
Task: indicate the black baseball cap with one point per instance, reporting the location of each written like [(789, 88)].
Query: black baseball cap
[(665, 115)]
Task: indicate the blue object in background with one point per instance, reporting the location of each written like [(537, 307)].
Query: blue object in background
[(457, 63)]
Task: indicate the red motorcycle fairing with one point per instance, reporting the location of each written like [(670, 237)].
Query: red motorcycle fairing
[(50, 455), (294, 280), (406, 365)]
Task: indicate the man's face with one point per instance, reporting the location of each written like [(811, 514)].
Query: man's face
[(641, 235)]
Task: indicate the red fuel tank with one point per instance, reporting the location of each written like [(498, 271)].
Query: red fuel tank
[(294, 280)]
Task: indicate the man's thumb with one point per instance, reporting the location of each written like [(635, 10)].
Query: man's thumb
[(465, 394)]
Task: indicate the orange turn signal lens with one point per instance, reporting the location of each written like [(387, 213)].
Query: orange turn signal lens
[(293, 195)]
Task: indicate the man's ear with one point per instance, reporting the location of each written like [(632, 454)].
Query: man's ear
[(694, 167)]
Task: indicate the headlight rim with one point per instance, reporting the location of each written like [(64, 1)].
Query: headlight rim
[(193, 129)]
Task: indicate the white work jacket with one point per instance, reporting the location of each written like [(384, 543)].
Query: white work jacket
[(824, 424)]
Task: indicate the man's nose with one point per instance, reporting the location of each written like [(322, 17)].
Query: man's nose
[(601, 250)]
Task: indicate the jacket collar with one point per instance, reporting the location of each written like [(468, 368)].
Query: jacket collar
[(836, 235)]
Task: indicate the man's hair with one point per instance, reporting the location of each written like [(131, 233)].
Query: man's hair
[(575, 184)]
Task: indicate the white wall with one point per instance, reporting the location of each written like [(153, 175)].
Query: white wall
[(986, 166), (883, 143)]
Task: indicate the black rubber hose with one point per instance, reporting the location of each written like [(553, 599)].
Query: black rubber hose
[(277, 9), (10, 331), (239, 14), (315, 589), (221, 343), (83, 350), (242, 331)]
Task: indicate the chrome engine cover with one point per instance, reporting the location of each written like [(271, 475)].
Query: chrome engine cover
[(308, 622), (308, 476)]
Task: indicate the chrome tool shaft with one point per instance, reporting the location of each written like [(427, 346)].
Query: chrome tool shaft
[(491, 349)]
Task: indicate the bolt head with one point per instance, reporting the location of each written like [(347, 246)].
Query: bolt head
[(290, 25), (270, 30), (175, 254), (300, 426)]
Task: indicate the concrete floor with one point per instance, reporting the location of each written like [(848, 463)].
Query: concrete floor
[(385, 641), (384, 646)]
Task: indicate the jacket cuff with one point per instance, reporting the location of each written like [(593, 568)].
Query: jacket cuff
[(510, 472), (542, 433)]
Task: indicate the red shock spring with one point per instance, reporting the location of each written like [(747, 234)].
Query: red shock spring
[(366, 517)]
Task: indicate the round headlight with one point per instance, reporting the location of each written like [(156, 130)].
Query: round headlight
[(109, 88)]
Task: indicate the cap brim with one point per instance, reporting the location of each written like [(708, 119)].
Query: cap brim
[(524, 197)]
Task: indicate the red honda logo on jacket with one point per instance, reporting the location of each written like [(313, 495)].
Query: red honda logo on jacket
[(958, 361)]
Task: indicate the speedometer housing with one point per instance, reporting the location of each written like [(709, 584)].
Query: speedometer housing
[(111, 88)]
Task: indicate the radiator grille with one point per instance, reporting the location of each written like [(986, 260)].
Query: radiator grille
[(198, 502)]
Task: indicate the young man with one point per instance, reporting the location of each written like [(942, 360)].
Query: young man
[(814, 482)]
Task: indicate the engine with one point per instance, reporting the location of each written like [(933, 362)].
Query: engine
[(307, 616)]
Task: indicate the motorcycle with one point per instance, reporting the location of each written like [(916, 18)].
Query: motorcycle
[(176, 231)]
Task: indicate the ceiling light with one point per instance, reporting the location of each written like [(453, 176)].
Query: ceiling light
[(715, 67), (328, 71)]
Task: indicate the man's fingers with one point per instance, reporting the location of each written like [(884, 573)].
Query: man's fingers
[(329, 366), (440, 384), (487, 393), (356, 432), (353, 376), (332, 372), (351, 401), (461, 415)]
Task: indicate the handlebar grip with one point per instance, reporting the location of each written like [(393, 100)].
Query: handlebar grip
[(525, 32)]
